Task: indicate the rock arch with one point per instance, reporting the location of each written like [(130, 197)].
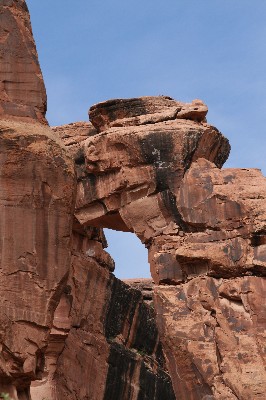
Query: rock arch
[(155, 169)]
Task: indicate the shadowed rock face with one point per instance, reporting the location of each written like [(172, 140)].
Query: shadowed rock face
[(104, 342), (22, 91), (157, 173)]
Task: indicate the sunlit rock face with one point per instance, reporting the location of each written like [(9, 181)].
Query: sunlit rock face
[(36, 205), (154, 168), (139, 166), (37, 181), (22, 91)]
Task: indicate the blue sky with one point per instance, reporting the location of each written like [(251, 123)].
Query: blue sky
[(215, 50)]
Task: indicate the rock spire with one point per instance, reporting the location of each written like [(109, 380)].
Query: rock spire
[(22, 90)]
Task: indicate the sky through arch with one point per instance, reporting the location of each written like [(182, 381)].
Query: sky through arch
[(129, 254)]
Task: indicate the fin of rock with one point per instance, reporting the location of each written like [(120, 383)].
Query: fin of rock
[(22, 90)]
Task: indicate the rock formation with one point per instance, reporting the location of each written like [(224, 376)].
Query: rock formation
[(104, 342), (68, 328), (22, 91), (37, 183), (146, 286), (153, 166), (157, 173)]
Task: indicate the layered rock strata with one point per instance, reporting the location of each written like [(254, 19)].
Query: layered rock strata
[(157, 173), (149, 162), (146, 286), (60, 336)]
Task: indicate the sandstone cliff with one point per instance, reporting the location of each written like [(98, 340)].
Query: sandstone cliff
[(37, 181), (153, 166)]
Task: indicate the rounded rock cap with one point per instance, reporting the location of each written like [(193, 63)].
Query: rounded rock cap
[(144, 110)]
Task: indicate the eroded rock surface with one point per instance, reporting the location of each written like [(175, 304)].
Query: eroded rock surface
[(143, 111), (104, 343), (60, 334), (36, 206), (217, 330), (37, 181), (22, 91), (157, 173), (146, 286), (132, 167), (68, 328)]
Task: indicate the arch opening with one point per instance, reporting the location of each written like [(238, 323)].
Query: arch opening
[(129, 254)]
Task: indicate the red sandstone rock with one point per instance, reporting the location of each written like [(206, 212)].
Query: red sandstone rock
[(56, 313), (127, 167), (68, 328), (23, 95), (205, 231), (213, 332), (107, 333), (74, 137), (143, 111), (36, 206), (226, 216), (60, 334), (146, 287)]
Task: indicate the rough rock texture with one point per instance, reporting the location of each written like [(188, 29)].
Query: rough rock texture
[(22, 91), (60, 335), (146, 287), (74, 137), (106, 333), (36, 206), (213, 333), (143, 111), (114, 335), (68, 328), (102, 328), (143, 164), (157, 174)]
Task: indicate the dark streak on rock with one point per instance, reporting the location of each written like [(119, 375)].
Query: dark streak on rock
[(169, 201), (157, 150)]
